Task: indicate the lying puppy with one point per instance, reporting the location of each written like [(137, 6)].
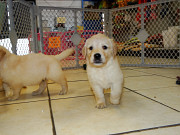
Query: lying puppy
[(32, 69), (103, 69)]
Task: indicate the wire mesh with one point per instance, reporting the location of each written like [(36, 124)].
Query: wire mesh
[(4, 28), (161, 22), (145, 34), (59, 25), (157, 23), (124, 27), (22, 26)]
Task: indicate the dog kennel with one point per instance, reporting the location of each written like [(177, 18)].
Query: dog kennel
[(145, 34)]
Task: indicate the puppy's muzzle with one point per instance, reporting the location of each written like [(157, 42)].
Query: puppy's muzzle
[(97, 58)]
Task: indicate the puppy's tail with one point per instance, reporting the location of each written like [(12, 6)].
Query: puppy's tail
[(64, 54)]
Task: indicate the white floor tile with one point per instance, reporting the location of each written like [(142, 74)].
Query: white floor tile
[(79, 88), (78, 116), (75, 113), (169, 96), (76, 76), (133, 73), (25, 119), (169, 72), (148, 82), (162, 131), (25, 96)]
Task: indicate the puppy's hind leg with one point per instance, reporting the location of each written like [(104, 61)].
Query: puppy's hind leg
[(8, 90), (42, 87), (16, 92), (58, 77), (64, 85)]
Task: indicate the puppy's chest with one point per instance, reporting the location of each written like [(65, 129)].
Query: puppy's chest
[(100, 77)]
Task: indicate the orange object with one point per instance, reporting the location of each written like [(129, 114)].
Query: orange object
[(54, 42)]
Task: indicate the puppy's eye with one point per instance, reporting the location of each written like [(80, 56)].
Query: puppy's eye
[(105, 47), (90, 48)]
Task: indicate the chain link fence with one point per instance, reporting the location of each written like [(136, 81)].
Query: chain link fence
[(15, 26), (148, 34), (66, 28), (145, 34)]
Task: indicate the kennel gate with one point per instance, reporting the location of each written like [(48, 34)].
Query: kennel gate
[(145, 34), (15, 25), (58, 26), (148, 34)]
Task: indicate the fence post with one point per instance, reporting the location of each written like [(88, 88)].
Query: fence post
[(76, 45), (179, 31), (110, 24), (33, 29), (142, 28), (12, 33), (41, 31), (106, 22)]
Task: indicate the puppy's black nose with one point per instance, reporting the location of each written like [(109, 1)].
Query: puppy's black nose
[(97, 56)]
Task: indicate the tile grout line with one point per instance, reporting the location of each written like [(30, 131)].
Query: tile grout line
[(138, 76), (152, 99), (153, 74), (51, 113), (78, 81), (72, 97), (147, 129), (156, 88), (23, 102), (71, 81)]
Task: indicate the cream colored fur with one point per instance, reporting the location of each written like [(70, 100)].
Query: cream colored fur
[(32, 69), (105, 73)]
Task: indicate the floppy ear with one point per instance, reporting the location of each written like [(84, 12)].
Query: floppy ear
[(2, 54), (114, 47), (84, 50)]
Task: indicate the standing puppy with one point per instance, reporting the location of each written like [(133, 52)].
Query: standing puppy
[(32, 69), (103, 69)]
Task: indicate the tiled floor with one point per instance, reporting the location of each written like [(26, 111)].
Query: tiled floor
[(150, 106)]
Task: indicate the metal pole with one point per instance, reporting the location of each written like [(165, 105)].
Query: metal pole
[(12, 33), (110, 24), (106, 22), (142, 28), (41, 32), (76, 45), (35, 8), (179, 31), (33, 46)]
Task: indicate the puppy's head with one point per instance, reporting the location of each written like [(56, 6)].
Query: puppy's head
[(98, 50)]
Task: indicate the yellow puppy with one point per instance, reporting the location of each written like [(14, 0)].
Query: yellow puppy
[(32, 69), (103, 69)]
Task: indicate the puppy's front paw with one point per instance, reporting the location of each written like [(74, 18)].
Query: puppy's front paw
[(101, 105), (115, 101)]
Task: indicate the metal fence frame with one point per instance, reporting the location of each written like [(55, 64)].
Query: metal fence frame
[(24, 26), (36, 22), (142, 6), (74, 10)]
